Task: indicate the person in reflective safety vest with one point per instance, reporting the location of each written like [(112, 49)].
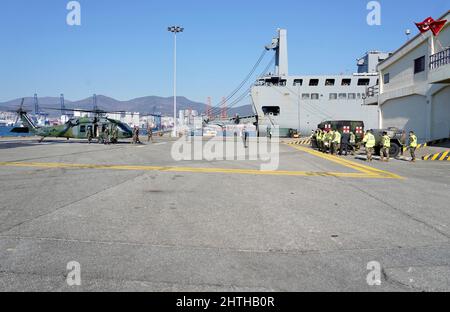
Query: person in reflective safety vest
[(369, 141), (412, 145), (336, 143), (385, 146)]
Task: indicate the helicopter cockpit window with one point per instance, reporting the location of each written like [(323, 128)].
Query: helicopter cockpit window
[(82, 129)]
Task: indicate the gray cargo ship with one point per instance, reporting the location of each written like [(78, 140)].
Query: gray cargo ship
[(302, 102)]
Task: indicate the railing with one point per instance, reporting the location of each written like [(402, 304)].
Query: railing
[(440, 59)]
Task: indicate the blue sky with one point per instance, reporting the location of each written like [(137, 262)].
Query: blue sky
[(123, 49)]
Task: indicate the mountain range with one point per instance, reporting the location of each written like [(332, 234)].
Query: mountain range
[(143, 105)]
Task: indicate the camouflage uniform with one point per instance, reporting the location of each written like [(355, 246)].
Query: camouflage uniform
[(89, 135), (106, 138), (149, 133), (115, 135)]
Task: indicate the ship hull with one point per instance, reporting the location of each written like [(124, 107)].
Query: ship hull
[(292, 107)]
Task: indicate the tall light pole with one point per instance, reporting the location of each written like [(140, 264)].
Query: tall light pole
[(175, 30)]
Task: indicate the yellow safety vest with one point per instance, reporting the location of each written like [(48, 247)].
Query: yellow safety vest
[(413, 141), (369, 139), (330, 136), (320, 136), (337, 137), (386, 141)]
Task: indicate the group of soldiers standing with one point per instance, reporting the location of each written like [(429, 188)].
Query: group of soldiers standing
[(333, 142), (109, 134)]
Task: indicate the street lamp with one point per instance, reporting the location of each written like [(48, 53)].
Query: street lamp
[(175, 30)]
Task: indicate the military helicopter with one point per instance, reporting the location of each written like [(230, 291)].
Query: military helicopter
[(75, 127)]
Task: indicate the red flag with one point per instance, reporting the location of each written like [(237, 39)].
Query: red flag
[(437, 26), (425, 25)]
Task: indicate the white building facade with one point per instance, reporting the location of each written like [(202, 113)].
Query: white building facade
[(414, 86)]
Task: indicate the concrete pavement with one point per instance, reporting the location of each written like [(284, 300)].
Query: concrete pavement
[(209, 229)]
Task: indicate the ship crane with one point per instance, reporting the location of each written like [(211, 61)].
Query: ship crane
[(279, 45)]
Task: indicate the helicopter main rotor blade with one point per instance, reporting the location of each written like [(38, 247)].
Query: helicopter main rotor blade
[(98, 111)]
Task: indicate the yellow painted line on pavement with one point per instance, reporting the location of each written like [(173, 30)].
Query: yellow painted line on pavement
[(370, 171), (355, 175)]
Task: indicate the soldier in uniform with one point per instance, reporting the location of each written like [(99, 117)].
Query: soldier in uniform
[(101, 137), (330, 141), (246, 135), (319, 139), (149, 133), (326, 142), (134, 136), (115, 135), (353, 143), (89, 134), (137, 135), (412, 145), (106, 138), (403, 141), (336, 142), (386, 145), (345, 142), (369, 141)]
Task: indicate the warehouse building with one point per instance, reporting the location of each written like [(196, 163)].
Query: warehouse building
[(414, 86)]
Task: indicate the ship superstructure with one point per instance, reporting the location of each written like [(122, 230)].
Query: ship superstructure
[(302, 102)]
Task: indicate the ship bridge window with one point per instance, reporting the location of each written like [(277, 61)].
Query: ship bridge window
[(333, 96), (298, 82), (314, 96), (351, 96), (314, 82), (330, 82), (275, 81), (363, 82), (305, 96), (386, 78), (346, 82), (342, 96), (271, 110)]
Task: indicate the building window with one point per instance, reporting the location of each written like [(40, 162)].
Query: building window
[(346, 82), (314, 82), (329, 82), (305, 96), (386, 78), (333, 96), (342, 96), (351, 96), (419, 65), (271, 110), (314, 96), (363, 82)]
